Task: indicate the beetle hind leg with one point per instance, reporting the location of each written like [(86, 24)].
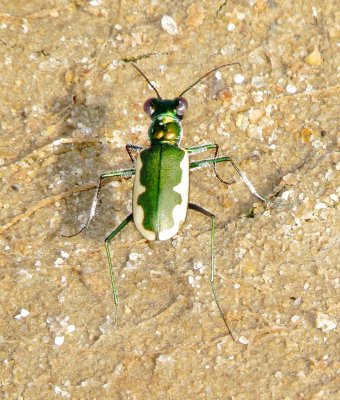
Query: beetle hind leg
[(203, 211), (107, 248)]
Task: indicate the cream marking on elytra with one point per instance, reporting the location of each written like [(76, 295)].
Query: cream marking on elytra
[(180, 211), (138, 212)]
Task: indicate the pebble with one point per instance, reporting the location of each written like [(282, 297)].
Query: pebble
[(290, 88), (314, 58), (238, 78), (169, 25), (59, 340), (325, 322)]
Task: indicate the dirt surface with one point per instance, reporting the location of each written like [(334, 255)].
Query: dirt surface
[(69, 103)]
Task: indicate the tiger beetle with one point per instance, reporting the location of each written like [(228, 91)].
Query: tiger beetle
[(161, 184)]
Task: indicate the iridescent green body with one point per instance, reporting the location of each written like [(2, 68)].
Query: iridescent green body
[(161, 186)]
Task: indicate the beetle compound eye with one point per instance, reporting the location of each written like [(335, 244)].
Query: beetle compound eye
[(149, 107), (182, 106)]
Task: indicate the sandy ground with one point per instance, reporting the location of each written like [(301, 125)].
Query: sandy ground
[(70, 102)]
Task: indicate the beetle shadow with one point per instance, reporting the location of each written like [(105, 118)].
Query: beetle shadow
[(81, 162)]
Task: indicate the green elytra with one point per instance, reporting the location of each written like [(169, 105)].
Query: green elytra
[(160, 173), (161, 186)]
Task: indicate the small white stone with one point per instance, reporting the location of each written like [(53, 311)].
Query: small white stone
[(57, 390), (320, 206), (118, 369), (243, 340), (169, 25), (133, 256), (301, 375), (107, 78), (23, 314), (295, 318), (297, 301), (59, 261), (218, 75), (325, 322), (228, 50), (334, 197), (64, 254), (257, 57), (258, 96), (237, 286), (291, 88), (286, 194), (256, 133), (130, 266), (231, 27), (258, 82), (198, 264), (165, 359), (59, 340), (71, 328), (238, 78)]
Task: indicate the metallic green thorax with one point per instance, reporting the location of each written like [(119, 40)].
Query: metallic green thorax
[(160, 173), (165, 125)]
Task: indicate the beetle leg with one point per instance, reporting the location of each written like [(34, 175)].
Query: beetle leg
[(130, 148), (126, 173), (205, 147), (112, 275), (202, 210), (201, 148), (246, 181)]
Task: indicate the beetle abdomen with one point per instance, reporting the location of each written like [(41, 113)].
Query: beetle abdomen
[(161, 189)]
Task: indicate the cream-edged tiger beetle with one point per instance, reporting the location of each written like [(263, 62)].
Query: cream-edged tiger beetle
[(161, 183)]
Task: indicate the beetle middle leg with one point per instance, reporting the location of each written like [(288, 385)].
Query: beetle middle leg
[(205, 147), (245, 180)]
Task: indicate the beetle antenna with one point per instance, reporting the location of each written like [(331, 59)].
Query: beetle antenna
[(146, 78), (207, 74)]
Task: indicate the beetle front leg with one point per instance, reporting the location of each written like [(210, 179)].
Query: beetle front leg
[(125, 173), (130, 148), (202, 147)]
